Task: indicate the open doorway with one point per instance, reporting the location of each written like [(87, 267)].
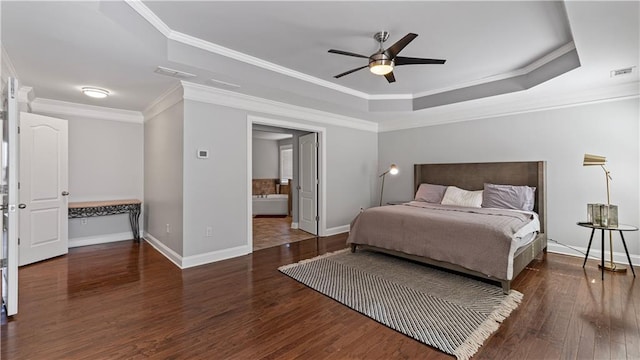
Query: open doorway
[(319, 154), (280, 185)]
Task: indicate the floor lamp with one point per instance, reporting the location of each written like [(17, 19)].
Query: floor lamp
[(592, 160), (393, 169)]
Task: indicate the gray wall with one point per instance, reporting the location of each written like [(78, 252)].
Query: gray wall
[(561, 137), (163, 176), (266, 155), (194, 194), (219, 199), (215, 189), (352, 165)]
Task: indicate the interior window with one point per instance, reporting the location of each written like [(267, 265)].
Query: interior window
[(286, 164)]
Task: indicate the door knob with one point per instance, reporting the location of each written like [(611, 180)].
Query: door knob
[(65, 193), (22, 206)]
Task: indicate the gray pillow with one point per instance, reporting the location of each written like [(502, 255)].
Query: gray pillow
[(508, 197), (430, 193)]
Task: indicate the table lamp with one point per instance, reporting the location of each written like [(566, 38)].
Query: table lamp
[(596, 160)]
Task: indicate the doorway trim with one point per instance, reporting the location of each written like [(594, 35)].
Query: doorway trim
[(322, 139)]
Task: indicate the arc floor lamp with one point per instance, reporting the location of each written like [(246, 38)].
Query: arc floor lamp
[(393, 169)]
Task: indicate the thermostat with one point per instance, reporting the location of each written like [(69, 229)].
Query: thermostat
[(203, 154)]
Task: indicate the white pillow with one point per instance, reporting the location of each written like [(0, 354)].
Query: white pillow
[(459, 197)]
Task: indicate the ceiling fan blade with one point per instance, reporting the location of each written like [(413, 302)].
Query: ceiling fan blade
[(390, 78), (401, 60), (350, 71), (340, 52), (394, 49)]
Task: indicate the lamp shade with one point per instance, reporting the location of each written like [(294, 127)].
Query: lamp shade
[(393, 169), (590, 160), (381, 67)]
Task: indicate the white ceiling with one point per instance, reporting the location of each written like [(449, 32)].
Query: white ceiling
[(278, 50)]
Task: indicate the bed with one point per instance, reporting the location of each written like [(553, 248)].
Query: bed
[(442, 235)]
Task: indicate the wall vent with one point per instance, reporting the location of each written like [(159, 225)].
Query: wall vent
[(621, 72), (173, 73)]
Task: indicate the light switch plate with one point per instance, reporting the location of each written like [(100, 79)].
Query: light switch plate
[(203, 154)]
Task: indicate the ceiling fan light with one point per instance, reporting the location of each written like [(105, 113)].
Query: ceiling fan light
[(95, 92), (381, 66)]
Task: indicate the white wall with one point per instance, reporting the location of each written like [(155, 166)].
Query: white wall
[(163, 179), (266, 155), (561, 137)]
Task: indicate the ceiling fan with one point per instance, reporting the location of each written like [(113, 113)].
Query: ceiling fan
[(383, 61)]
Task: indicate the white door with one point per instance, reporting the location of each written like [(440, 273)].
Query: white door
[(43, 188), (9, 190), (308, 180)]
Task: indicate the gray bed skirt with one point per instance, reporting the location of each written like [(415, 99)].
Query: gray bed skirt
[(521, 259)]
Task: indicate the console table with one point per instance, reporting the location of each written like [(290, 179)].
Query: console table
[(112, 207)]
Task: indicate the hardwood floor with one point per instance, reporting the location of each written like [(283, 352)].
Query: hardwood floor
[(126, 301), (274, 231)]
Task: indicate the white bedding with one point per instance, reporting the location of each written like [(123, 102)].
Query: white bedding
[(527, 233)]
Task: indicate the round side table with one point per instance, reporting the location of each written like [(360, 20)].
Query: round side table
[(620, 229)]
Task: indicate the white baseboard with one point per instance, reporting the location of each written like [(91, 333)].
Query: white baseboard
[(196, 260), (213, 256), (337, 230), (594, 254), (163, 249), (99, 239), (294, 225)]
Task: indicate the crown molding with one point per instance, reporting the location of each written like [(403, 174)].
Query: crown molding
[(163, 28), (171, 97), (170, 34), (254, 104), (490, 108), (8, 64), (26, 95), (150, 16), (570, 46), (252, 60), (64, 108)]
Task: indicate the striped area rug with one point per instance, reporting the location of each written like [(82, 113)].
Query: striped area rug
[(450, 312)]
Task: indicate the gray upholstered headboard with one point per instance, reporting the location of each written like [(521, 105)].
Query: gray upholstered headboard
[(473, 176)]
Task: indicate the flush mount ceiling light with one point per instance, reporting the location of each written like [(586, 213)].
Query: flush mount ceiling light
[(381, 66), (95, 92)]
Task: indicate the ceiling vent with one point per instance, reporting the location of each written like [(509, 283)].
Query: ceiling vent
[(173, 73), (223, 84), (622, 72)]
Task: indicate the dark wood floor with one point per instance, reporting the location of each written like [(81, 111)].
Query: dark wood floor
[(126, 301)]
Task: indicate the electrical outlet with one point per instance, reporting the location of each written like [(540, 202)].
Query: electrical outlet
[(168, 229), (209, 231), (84, 221)]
